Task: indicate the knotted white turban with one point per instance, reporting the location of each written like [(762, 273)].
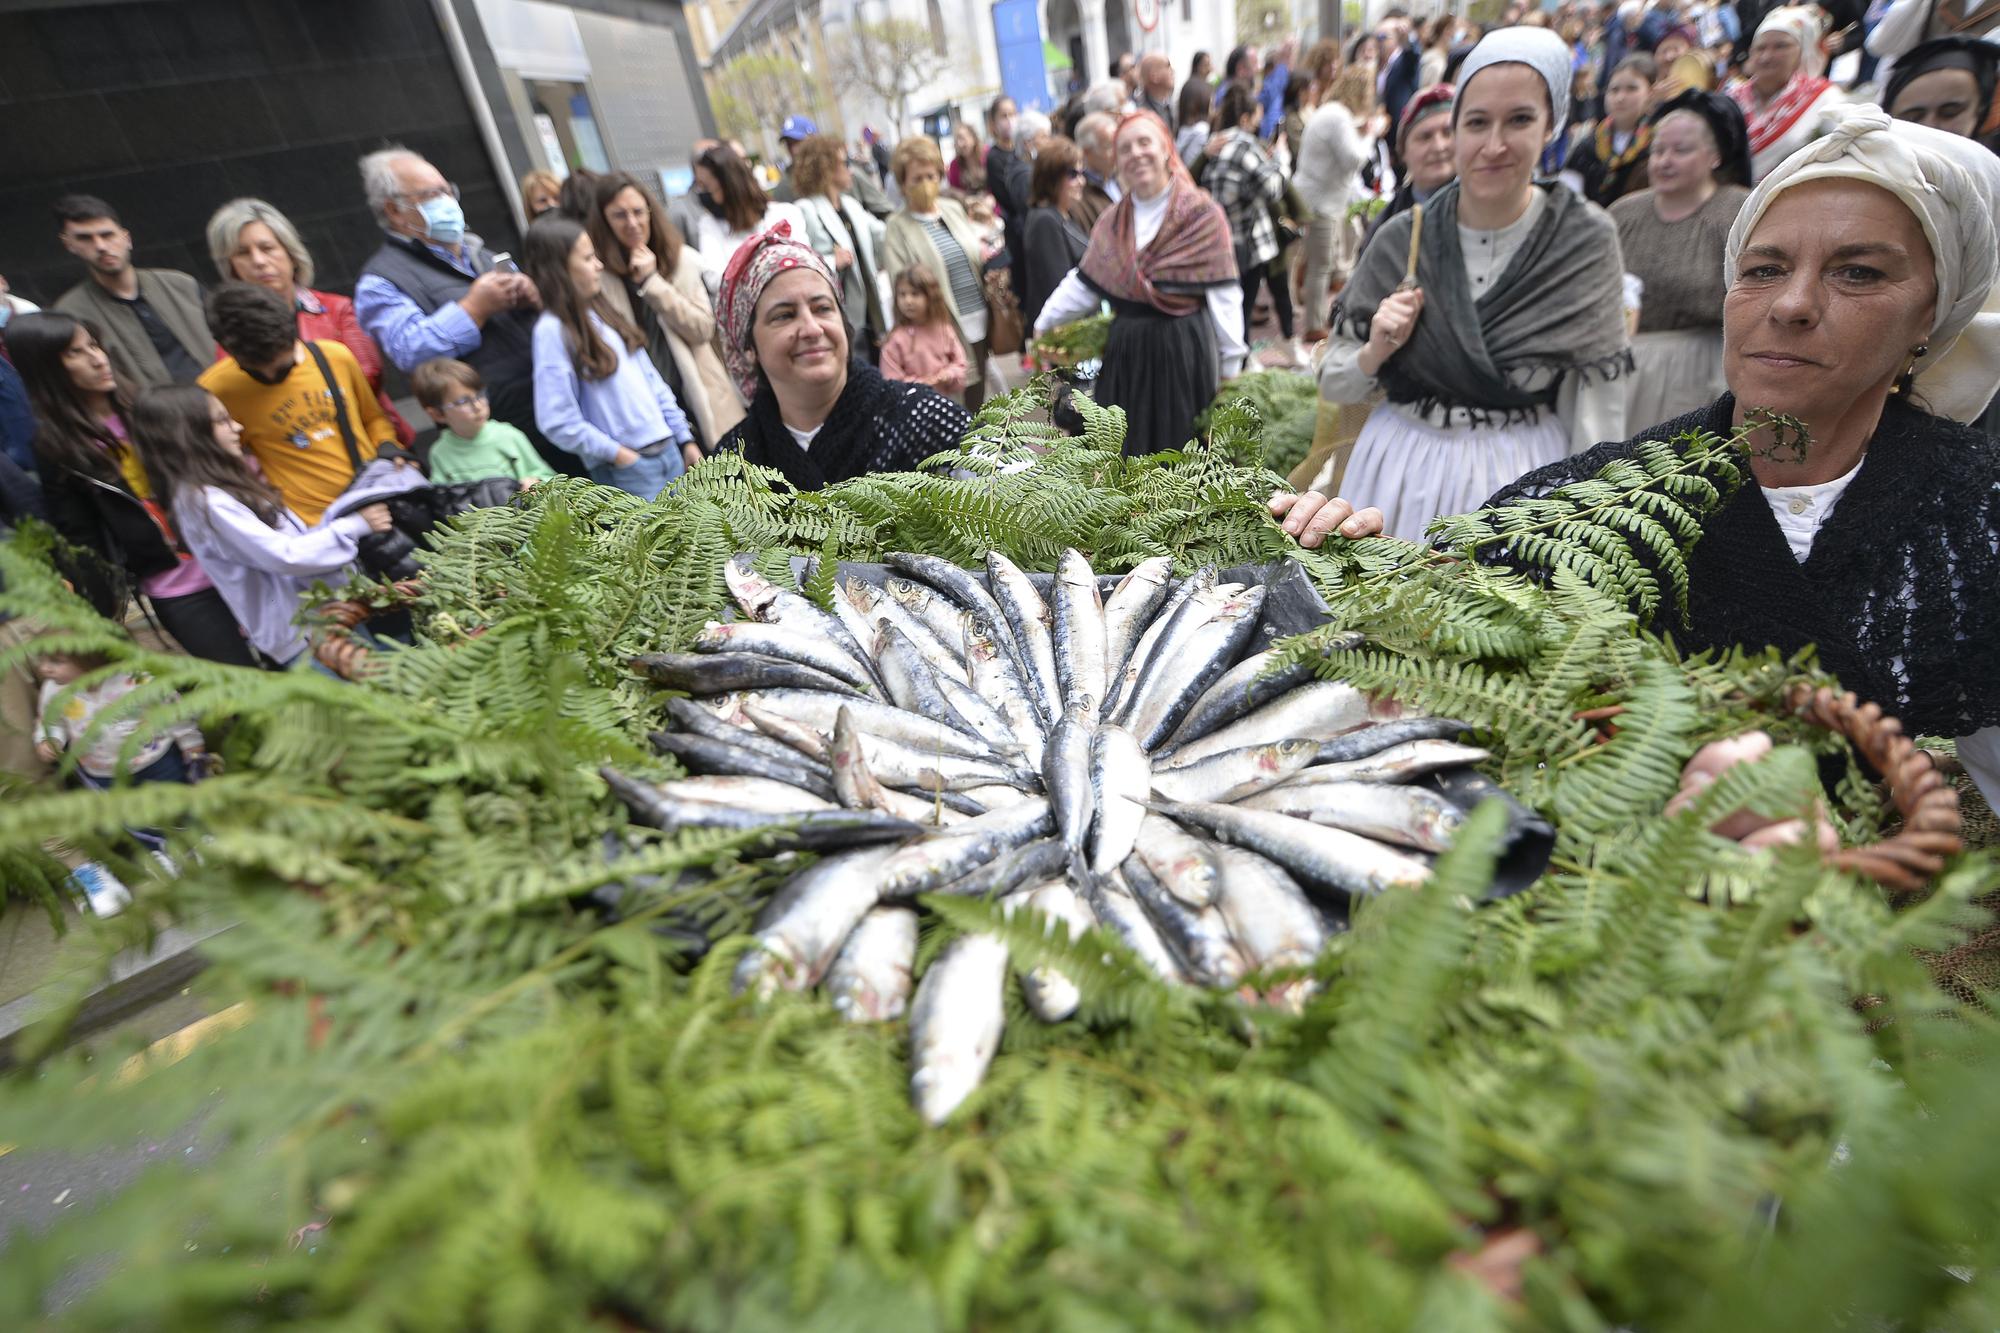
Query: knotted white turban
[(1952, 185), (1803, 24)]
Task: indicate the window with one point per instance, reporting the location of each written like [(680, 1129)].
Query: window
[(937, 27)]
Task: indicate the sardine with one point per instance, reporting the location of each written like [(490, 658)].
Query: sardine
[(1115, 907), (1270, 920), (944, 618), (1249, 684), (1066, 778), (719, 673), (1366, 741), (1234, 774), (699, 754), (1119, 690), (1119, 784), (1130, 607), (1199, 937), (962, 587), (1323, 858), (955, 1024), (808, 919), (1184, 864), (1051, 995), (700, 721), (1197, 659), (1029, 863), (985, 720), (815, 651), (937, 860), (1028, 620), (1077, 627), (767, 601), (1407, 816), (878, 607), (995, 678), (1399, 763), (806, 828), (761, 794), (870, 979), (911, 680), (816, 709), (796, 736), (1323, 709)]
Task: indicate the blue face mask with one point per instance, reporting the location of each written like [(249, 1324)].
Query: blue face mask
[(444, 220)]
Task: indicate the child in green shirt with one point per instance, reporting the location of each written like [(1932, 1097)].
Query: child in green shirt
[(472, 446)]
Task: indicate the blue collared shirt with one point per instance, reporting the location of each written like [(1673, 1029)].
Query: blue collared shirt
[(407, 334)]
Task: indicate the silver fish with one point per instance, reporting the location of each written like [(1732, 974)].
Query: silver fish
[(1399, 763), (940, 615), (796, 736), (1066, 778), (1077, 627), (1199, 937), (1119, 784), (800, 828), (911, 680), (719, 673), (1130, 607), (817, 710), (1364, 741), (1184, 864), (746, 792), (807, 921), (995, 678), (767, 601), (988, 722), (1050, 994), (1254, 681), (1154, 648), (1407, 816), (1319, 710), (1324, 858), (737, 730), (870, 979), (1271, 921), (1028, 620), (928, 863), (1121, 682), (894, 763), (699, 754), (1234, 774), (1116, 908), (856, 785), (813, 650), (1029, 864), (877, 607), (1203, 654), (962, 587), (955, 1024)]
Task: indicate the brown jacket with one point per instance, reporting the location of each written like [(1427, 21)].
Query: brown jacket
[(174, 297), (681, 302)]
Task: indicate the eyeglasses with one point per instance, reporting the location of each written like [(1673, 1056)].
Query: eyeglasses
[(425, 196), (470, 400)]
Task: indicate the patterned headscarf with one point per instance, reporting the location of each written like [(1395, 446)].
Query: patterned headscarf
[(1430, 102), (1952, 186), (1804, 25), (757, 261)]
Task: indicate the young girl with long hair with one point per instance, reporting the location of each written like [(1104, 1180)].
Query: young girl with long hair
[(924, 348), (597, 393), (98, 495), (260, 555)]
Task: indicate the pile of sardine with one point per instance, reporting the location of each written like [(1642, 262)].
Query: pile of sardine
[(1102, 759)]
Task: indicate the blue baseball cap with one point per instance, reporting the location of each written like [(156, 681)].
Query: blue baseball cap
[(798, 127)]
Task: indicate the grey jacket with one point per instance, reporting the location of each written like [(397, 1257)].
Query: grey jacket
[(175, 298)]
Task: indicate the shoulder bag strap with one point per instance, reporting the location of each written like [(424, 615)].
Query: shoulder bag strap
[(339, 406)]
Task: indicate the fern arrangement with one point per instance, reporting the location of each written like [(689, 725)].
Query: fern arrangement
[(493, 1050)]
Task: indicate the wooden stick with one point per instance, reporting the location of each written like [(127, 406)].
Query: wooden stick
[(1416, 239)]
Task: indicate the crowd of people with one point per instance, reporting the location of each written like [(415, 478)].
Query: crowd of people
[(1494, 248)]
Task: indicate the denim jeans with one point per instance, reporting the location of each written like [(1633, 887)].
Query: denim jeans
[(646, 478)]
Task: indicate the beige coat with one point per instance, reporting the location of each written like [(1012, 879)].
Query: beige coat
[(905, 242), (682, 306)]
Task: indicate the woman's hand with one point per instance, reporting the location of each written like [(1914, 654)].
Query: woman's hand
[(377, 516), (843, 258), (1751, 830), (641, 264), (1310, 517), (1395, 319), (624, 457)]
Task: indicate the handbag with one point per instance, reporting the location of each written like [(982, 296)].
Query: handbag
[(1004, 334)]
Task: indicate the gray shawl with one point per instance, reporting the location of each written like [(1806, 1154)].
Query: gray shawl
[(1557, 310)]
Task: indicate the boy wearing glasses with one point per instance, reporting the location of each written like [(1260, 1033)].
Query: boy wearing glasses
[(472, 446)]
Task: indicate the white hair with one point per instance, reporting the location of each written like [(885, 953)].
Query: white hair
[(1096, 130), (227, 226), (1032, 125), (378, 175), (1106, 95)]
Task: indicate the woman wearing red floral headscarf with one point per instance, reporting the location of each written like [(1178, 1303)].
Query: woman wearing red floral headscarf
[(818, 414), (1162, 257)]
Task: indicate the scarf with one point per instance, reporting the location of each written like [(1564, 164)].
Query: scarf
[(1558, 306), (758, 260), (1769, 123), (1191, 252), (877, 425), (1615, 161)]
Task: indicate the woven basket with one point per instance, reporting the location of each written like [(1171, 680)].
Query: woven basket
[(333, 643), (1909, 859)]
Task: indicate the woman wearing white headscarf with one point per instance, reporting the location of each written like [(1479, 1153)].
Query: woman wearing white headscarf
[(1784, 93), (1861, 302), (1505, 353)]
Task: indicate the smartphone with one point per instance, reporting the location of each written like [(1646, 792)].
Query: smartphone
[(504, 263)]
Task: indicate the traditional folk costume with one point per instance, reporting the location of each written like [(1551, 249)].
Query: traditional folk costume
[(1889, 569), (876, 425), (1518, 352), (1677, 353), (1793, 118), (1609, 165), (1168, 269)]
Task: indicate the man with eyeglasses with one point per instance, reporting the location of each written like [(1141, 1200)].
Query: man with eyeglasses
[(433, 289)]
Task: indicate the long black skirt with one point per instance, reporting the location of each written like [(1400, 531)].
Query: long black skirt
[(1163, 370)]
